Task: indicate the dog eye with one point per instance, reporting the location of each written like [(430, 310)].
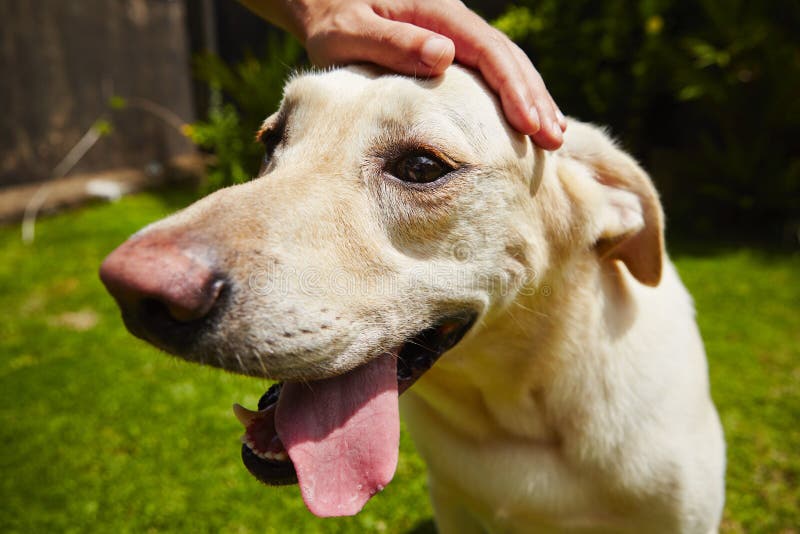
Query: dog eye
[(271, 136), (420, 168)]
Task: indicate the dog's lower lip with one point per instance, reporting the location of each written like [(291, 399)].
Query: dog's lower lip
[(414, 358)]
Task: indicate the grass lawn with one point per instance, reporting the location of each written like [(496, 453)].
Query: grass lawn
[(101, 433)]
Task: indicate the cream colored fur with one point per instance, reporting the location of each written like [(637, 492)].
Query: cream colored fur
[(580, 400)]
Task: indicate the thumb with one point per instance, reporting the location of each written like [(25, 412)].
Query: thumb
[(399, 46)]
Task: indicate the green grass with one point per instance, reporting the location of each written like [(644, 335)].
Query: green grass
[(749, 313), (101, 433)]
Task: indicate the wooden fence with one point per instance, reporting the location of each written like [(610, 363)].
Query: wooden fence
[(61, 63)]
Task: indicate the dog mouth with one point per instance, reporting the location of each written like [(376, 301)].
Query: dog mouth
[(339, 437)]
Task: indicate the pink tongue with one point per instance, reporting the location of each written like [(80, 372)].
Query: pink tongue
[(342, 435)]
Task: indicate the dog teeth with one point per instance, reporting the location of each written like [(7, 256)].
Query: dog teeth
[(279, 456), (274, 456)]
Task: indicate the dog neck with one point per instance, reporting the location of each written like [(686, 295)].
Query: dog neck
[(518, 373)]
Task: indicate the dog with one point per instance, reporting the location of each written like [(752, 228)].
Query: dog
[(401, 236)]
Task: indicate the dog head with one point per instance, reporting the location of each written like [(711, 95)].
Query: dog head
[(389, 213)]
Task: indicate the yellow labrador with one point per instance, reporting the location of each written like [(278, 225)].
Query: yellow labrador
[(401, 233)]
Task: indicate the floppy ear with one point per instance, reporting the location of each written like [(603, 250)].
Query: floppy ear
[(628, 220)]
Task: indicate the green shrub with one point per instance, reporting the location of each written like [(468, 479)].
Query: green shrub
[(243, 95), (704, 92)]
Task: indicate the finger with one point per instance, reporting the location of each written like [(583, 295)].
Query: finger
[(538, 88), (562, 120), (480, 46), (400, 46), (550, 136), (503, 73)]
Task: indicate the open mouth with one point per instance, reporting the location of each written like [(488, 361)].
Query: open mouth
[(274, 462)]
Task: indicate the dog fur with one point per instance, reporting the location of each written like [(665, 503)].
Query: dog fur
[(580, 400)]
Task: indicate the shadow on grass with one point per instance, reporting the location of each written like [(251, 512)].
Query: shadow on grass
[(426, 526)]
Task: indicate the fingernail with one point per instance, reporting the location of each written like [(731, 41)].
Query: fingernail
[(434, 49), (535, 120), (555, 129), (560, 117)]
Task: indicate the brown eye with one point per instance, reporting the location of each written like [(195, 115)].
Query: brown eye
[(420, 168)]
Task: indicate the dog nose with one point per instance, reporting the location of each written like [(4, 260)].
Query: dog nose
[(152, 273)]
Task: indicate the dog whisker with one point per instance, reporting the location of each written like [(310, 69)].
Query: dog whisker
[(540, 313), (241, 364)]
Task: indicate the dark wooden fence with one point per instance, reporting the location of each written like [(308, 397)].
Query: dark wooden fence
[(61, 63)]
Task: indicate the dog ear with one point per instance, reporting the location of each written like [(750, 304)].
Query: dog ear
[(629, 221)]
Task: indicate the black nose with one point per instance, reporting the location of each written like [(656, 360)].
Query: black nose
[(164, 289)]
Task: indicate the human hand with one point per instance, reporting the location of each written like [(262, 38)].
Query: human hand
[(422, 37)]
